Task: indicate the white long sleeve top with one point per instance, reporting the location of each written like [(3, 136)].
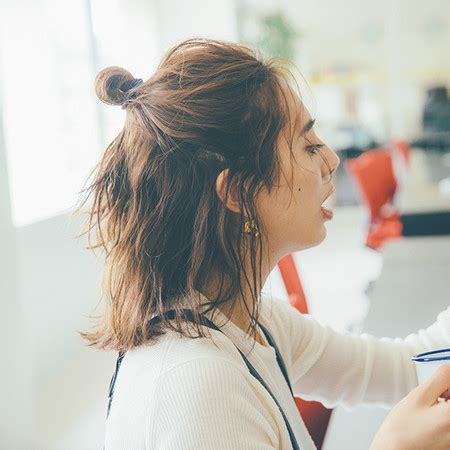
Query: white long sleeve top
[(198, 394)]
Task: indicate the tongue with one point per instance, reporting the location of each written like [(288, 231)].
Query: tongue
[(327, 212)]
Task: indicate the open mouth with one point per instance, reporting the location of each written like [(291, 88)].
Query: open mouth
[(326, 211)]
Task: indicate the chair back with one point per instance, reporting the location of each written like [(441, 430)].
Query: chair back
[(374, 175)]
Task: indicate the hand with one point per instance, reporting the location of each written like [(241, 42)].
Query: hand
[(419, 421)]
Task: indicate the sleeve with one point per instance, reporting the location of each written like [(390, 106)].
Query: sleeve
[(341, 368), (209, 403)]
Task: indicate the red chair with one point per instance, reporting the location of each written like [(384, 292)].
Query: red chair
[(315, 416), (374, 175)]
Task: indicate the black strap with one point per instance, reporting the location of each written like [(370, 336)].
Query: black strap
[(280, 360), (188, 315)]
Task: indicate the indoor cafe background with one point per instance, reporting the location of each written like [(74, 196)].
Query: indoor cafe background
[(366, 70)]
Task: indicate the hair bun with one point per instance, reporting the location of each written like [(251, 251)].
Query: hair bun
[(108, 83)]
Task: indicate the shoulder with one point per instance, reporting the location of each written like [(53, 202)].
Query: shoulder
[(292, 331), (194, 383), (282, 318), (279, 317), (174, 367), (215, 402), (173, 350), (275, 308)]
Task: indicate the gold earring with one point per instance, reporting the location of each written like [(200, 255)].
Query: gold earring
[(250, 227)]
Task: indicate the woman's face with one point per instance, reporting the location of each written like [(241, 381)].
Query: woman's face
[(291, 214)]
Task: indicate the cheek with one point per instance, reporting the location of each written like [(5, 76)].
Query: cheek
[(283, 211), (303, 217), (292, 207), (295, 227), (273, 210), (303, 194)]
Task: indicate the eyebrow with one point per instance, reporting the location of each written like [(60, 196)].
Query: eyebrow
[(309, 125)]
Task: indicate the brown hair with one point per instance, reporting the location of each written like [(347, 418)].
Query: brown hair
[(210, 105)]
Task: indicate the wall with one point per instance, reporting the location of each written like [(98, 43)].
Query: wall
[(15, 366)]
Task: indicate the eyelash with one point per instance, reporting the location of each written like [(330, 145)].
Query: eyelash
[(312, 148)]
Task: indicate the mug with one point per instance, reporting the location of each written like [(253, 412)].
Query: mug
[(428, 362)]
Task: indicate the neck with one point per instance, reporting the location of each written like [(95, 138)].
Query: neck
[(235, 308)]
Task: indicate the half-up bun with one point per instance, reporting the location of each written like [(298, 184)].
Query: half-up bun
[(109, 82)]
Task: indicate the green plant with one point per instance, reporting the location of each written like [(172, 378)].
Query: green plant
[(277, 36)]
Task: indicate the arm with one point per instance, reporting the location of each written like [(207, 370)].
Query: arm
[(209, 403), (337, 368)]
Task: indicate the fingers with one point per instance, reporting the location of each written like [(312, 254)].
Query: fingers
[(435, 386)]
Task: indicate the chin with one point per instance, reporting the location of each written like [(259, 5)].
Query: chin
[(317, 240), (313, 242)]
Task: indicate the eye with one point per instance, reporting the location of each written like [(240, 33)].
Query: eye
[(313, 148)]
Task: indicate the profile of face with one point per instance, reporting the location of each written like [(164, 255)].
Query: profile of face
[(291, 214)]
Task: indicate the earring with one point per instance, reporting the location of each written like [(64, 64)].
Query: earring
[(250, 227)]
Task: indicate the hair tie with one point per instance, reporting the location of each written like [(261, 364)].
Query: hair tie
[(128, 87)]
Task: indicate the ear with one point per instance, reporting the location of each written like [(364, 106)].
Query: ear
[(221, 187)]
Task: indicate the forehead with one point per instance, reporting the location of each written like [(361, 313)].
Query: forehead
[(298, 114)]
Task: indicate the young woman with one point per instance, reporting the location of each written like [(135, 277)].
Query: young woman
[(217, 174)]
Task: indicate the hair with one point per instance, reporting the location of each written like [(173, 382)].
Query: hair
[(210, 105)]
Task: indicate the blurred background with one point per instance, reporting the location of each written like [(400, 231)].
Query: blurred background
[(374, 75)]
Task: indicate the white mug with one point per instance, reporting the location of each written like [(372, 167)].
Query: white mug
[(428, 362)]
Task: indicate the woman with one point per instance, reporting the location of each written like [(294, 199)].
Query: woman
[(216, 175)]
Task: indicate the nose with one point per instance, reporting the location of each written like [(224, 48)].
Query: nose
[(337, 160), (331, 163)]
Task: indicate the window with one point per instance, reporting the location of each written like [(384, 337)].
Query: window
[(55, 127)]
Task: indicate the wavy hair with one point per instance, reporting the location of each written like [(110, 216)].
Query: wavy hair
[(210, 105)]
